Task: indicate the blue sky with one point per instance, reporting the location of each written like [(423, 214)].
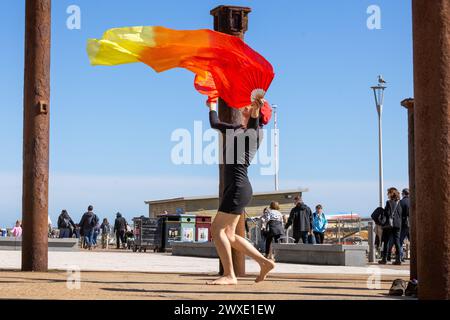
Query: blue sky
[(111, 126)]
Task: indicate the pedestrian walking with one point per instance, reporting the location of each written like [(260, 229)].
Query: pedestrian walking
[(87, 224), (273, 221), (120, 228), (392, 223), (301, 218), (106, 230)]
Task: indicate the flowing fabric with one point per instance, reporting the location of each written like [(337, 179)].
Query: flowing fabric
[(224, 65)]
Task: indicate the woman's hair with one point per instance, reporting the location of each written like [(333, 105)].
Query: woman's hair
[(275, 205), (18, 222), (393, 194)]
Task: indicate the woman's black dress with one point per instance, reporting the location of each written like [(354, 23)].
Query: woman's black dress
[(237, 157)]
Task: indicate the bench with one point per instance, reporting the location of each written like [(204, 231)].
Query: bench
[(335, 255), (15, 244), (194, 249)]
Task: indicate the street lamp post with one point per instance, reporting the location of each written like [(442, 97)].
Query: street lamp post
[(379, 99), (276, 146)]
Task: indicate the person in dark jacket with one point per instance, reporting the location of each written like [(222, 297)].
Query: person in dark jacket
[(392, 226), (404, 233), (88, 222), (301, 218), (120, 228), (66, 225)]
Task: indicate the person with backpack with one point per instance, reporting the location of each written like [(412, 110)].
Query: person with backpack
[(66, 225), (378, 230), (87, 224), (120, 228), (391, 221), (273, 221), (301, 218)]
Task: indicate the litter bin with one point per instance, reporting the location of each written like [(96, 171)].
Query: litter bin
[(171, 230), (187, 228), (147, 234), (203, 229)]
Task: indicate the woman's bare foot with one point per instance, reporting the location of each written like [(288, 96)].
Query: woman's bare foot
[(224, 281), (266, 267)]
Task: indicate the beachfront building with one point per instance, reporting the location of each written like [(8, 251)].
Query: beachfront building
[(207, 206)]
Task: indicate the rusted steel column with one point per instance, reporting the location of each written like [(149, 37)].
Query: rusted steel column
[(231, 20), (409, 105), (36, 136), (431, 34)]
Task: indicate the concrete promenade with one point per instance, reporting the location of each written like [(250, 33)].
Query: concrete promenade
[(125, 261)]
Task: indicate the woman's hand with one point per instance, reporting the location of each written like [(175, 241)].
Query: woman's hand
[(258, 103), (256, 107)]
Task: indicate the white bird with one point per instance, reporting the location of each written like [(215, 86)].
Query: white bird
[(381, 80)]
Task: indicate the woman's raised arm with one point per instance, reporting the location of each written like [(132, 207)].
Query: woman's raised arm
[(216, 123)]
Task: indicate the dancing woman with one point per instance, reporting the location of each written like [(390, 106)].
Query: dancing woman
[(237, 188)]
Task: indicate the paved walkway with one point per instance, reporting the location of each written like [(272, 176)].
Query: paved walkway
[(151, 286), (140, 276), (122, 261)]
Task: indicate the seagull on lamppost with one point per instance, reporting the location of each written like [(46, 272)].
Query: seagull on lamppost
[(381, 80)]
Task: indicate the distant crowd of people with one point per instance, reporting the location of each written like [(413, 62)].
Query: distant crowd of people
[(89, 229), (308, 227)]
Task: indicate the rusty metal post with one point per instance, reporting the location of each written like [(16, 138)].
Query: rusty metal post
[(231, 20), (409, 105), (431, 40), (36, 136)]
